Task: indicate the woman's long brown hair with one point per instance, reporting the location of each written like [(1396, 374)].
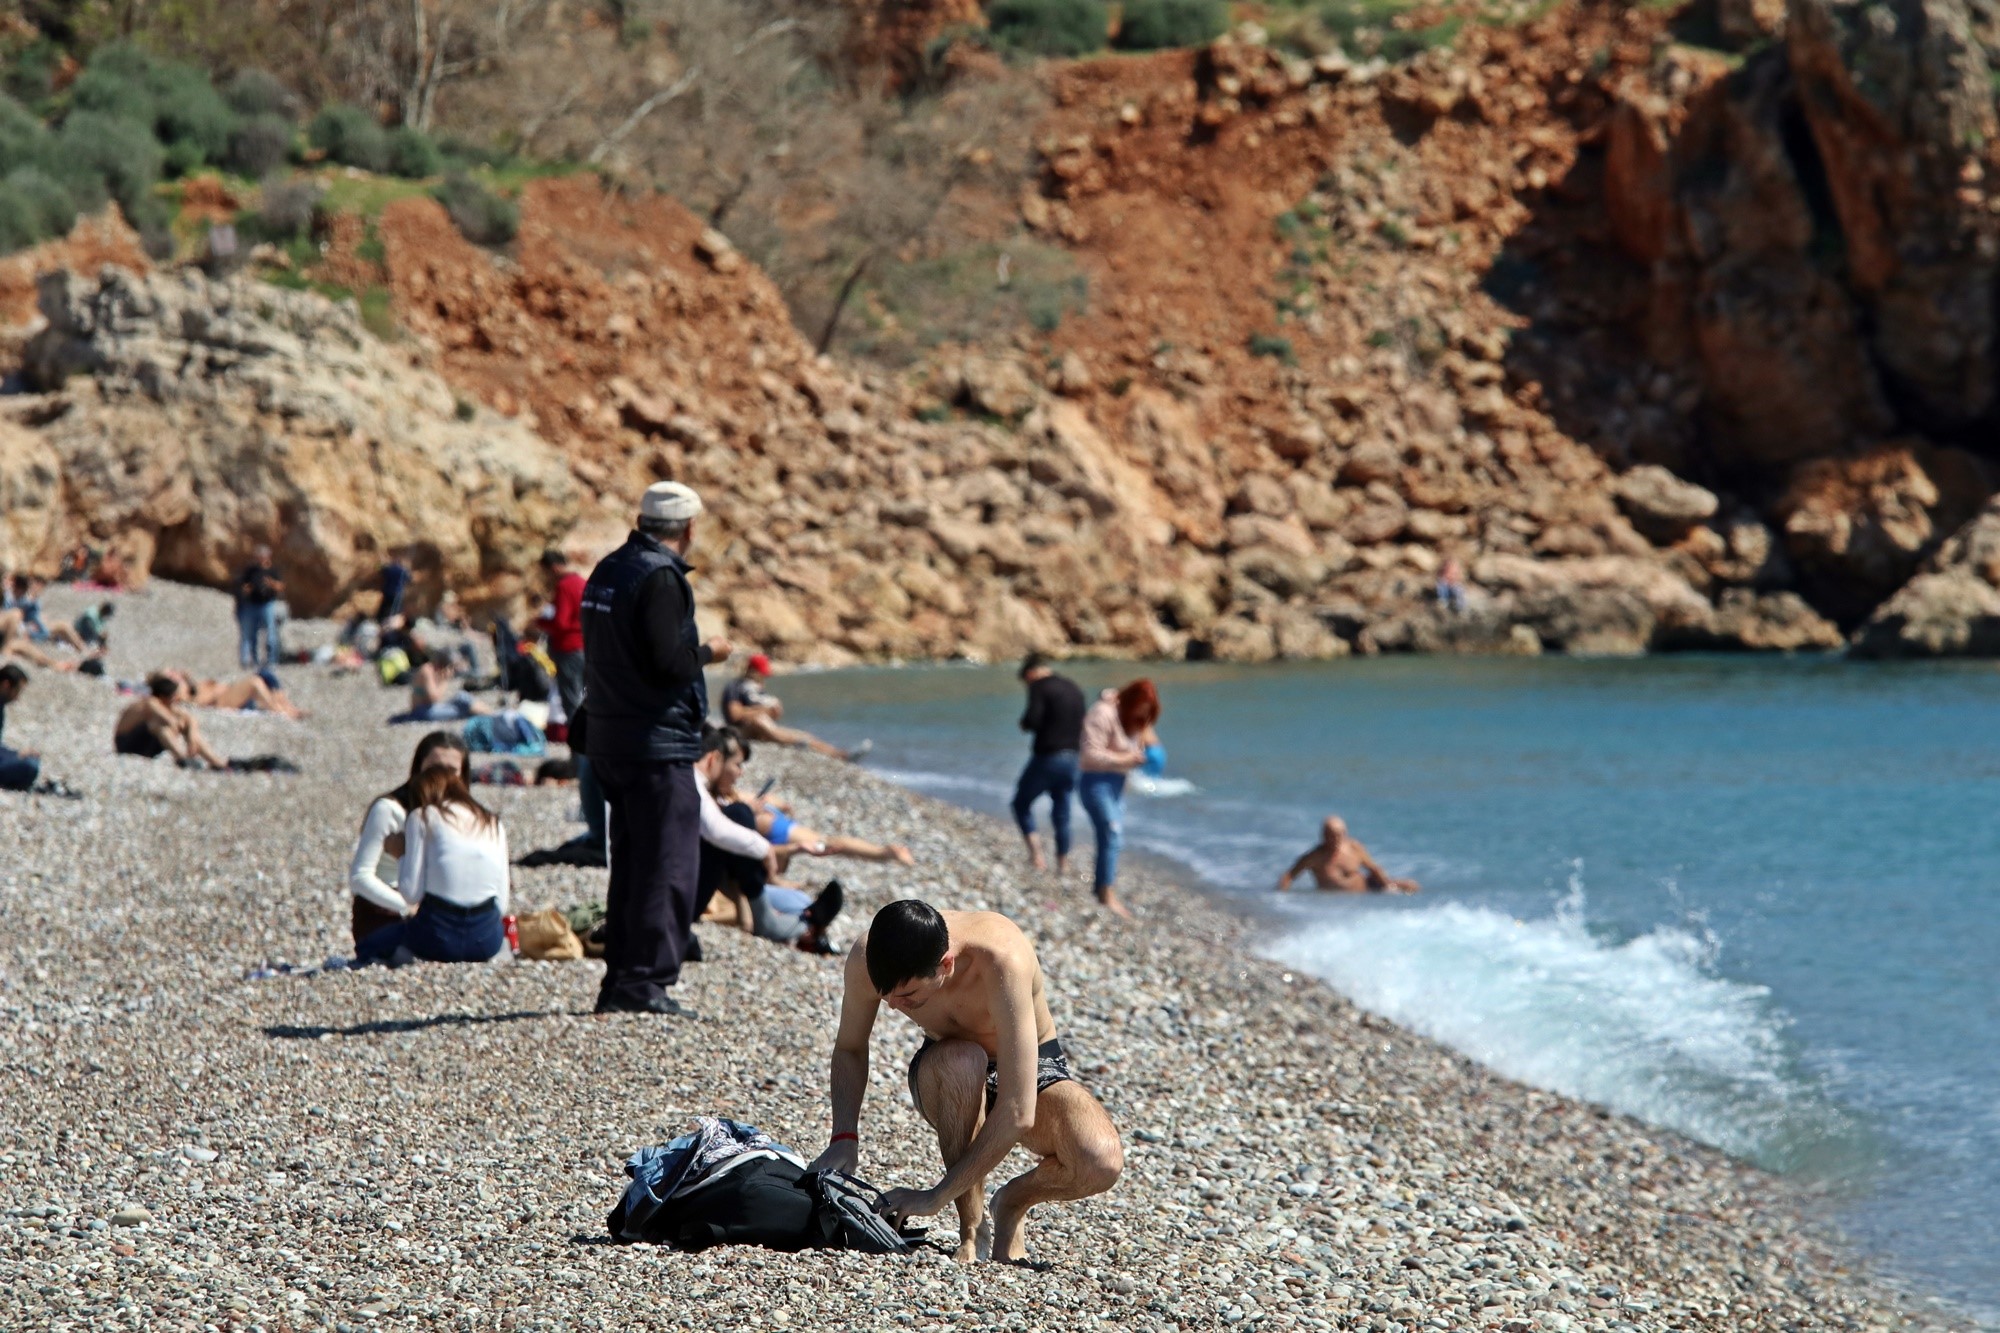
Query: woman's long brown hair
[(441, 788), (406, 795), (1138, 706)]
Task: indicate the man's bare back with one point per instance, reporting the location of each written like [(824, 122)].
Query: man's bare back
[(990, 1075), (1339, 863)]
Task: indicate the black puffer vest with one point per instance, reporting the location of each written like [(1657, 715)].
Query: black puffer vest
[(631, 717)]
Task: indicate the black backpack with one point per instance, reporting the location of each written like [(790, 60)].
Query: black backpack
[(771, 1202)]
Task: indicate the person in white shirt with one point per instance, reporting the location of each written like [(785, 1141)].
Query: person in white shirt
[(372, 873), (739, 861), (454, 872)]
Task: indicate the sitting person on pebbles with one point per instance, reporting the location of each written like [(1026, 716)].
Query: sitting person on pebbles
[(375, 870), (772, 817), (739, 862), (453, 874), (990, 1075), (162, 723), (754, 711)]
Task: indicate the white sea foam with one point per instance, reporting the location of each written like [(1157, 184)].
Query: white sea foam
[(1643, 1026)]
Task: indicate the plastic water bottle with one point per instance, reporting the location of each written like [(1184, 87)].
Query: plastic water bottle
[(508, 924)]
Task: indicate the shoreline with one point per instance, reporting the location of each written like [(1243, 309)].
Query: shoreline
[(438, 1146)]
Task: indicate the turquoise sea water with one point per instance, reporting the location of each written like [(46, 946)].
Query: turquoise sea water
[(1757, 901)]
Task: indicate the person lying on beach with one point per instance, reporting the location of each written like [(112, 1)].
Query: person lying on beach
[(254, 691), (739, 863), (25, 595), (754, 711), (991, 1073), (788, 837), (1340, 864), (374, 869), (161, 723)]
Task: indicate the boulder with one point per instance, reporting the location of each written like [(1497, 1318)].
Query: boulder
[(1952, 609), (996, 386), (1661, 505), (194, 420)]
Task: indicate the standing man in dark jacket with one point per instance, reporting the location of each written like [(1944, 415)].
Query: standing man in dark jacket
[(642, 667), (258, 605), (1055, 716)]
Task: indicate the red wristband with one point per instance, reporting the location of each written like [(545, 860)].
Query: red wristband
[(838, 1137)]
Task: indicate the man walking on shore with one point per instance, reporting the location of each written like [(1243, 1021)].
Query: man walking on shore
[(990, 1073), (642, 666), (1055, 716)]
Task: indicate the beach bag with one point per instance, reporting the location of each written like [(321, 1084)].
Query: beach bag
[(754, 1199), (844, 1216), (393, 666), (546, 935)]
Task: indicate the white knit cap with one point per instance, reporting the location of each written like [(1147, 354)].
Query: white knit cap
[(671, 501)]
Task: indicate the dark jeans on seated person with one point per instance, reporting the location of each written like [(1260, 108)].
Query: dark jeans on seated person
[(17, 771), (747, 874), (440, 932)]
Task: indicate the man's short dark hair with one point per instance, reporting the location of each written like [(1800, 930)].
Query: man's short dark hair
[(906, 941), (1032, 662), (163, 686), (553, 559), (724, 738), (11, 674)]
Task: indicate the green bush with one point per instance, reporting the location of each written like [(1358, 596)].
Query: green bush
[(191, 118), (1154, 25), (44, 197), (118, 83), (1268, 344), (19, 226), (483, 217), (31, 74), (254, 93), (1049, 27), (284, 213), (412, 154), (259, 146), (24, 142), (351, 137), (123, 154)]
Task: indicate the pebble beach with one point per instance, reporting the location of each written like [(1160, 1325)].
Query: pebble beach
[(436, 1147)]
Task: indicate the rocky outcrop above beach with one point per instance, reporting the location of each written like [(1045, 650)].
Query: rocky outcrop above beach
[(183, 421)]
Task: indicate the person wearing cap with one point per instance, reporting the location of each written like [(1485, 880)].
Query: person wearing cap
[(643, 660), (754, 711)]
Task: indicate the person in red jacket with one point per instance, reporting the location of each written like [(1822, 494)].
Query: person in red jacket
[(562, 628)]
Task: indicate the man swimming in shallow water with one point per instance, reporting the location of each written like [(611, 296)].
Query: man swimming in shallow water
[(1340, 864), (989, 1075)]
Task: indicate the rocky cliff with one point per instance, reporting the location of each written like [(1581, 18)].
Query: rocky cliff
[(184, 421)]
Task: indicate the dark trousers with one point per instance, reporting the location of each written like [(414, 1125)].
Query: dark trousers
[(649, 909), (569, 682)]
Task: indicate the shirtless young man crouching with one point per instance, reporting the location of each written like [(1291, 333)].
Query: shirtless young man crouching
[(989, 1075), (1340, 864)]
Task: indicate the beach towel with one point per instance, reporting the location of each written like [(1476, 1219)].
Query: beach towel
[(504, 733)]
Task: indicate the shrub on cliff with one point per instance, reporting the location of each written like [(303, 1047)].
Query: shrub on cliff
[(259, 146), (122, 154), (254, 92), (413, 155), (1049, 27), (24, 141), (1154, 25), (350, 136), (40, 198), (175, 103), (481, 216)]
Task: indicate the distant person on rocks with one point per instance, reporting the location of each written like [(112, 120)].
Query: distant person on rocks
[(738, 861), (1116, 733), (373, 873), (990, 1075), (259, 595), (1055, 717), (453, 873), (161, 723), (1451, 585), (19, 769), (93, 625), (1340, 864), (394, 584), (643, 660), (562, 629), (754, 711)]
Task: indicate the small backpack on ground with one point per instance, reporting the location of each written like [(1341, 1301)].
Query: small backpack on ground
[(753, 1199), (845, 1218)]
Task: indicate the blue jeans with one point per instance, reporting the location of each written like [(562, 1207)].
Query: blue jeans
[(591, 796), (17, 771), (254, 619), (1103, 797), (439, 933), (1054, 776)]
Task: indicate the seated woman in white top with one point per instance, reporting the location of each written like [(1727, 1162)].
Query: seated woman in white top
[(372, 874), (454, 871)]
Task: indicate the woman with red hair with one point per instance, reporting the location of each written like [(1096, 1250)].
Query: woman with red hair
[(1116, 732)]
